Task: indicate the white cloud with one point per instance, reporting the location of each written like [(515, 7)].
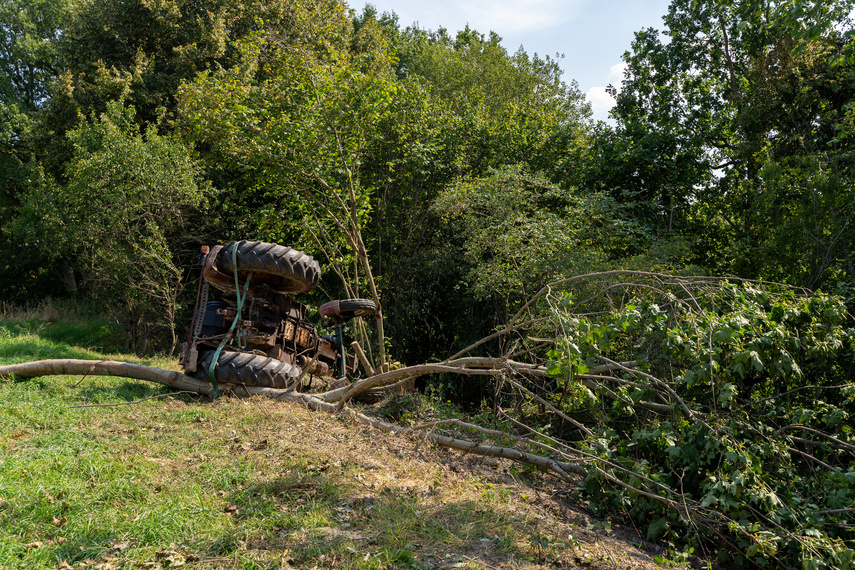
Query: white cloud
[(616, 72), (601, 102)]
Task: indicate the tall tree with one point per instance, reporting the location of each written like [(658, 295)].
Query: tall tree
[(29, 62), (142, 51), (735, 87), (514, 103), (463, 106), (29, 30), (303, 107), (124, 214)]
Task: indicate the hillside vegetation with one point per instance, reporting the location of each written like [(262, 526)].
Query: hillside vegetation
[(467, 192)]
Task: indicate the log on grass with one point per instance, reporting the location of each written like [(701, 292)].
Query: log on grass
[(69, 366)]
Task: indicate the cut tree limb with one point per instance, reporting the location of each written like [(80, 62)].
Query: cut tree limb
[(395, 376), (74, 367), (363, 360)]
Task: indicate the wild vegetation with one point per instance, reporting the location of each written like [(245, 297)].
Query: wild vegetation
[(467, 191)]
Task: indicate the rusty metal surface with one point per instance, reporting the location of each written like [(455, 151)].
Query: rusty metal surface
[(270, 324), (290, 329), (315, 367), (203, 307), (327, 350), (304, 337)]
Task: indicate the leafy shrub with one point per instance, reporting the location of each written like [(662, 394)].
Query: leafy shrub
[(717, 413)]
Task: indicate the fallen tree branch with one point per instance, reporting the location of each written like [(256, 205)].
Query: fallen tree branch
[(664, 386), (497, 334), (490, 362), (564, 465), (811, 458), (61, 367), (363, 360), (394, 376), (539, 434), (662, 278), (561, 414), (840, 444), (835, 511)]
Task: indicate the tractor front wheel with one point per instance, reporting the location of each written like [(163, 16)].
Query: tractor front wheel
[(346, 309)]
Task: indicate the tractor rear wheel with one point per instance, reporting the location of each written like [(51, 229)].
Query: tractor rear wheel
[(289, 270)]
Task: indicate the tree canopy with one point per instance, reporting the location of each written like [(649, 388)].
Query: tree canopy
[(742, 104)]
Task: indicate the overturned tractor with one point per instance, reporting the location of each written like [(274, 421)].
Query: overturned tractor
[(247, 328)]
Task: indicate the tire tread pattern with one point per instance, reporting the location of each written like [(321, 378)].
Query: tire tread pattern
[(347, 308), (248, 369), (298, 271), (358, 306)]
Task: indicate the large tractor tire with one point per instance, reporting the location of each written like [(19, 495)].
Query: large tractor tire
[(287, 269), (248, 369)]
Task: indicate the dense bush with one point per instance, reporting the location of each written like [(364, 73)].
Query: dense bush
[(728, 426)]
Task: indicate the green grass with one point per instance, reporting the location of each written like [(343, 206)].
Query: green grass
[(35, 339), (130, 483), (75, 482), (181, 480)]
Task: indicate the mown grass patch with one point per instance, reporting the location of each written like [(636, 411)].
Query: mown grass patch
[(182, 481), (127, 484)]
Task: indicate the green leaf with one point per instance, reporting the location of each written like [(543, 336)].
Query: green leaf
[(657, 528)]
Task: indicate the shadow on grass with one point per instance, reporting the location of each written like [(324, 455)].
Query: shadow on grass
[(122, 391), (317, 518), (26, 348), (94, 334)]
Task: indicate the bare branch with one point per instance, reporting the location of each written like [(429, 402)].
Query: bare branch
[(841, 444)]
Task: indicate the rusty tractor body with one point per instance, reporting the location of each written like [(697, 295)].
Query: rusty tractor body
[(248, 329)]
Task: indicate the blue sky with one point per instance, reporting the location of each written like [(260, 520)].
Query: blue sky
[(591, 34)]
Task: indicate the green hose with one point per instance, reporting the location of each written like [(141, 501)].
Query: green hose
[(240, 301)]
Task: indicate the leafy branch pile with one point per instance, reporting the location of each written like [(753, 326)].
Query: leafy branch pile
[(716, 413)]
